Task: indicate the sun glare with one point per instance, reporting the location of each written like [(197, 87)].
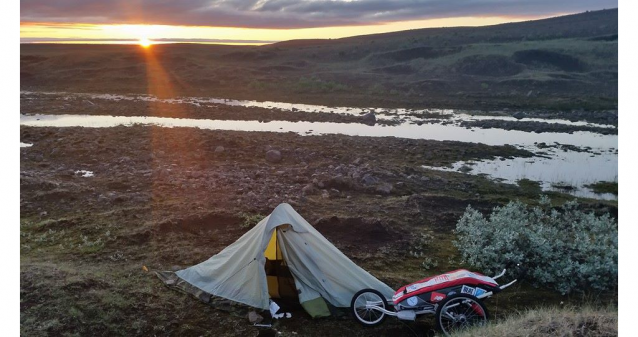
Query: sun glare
[(144, 42)]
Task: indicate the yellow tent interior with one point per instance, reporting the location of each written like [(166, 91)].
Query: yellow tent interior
[(281, 283)]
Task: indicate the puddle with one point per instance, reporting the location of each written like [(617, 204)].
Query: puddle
[(425, 131), (561, 168), (405, 115), (84, 173), (555, 166), (25, 144)]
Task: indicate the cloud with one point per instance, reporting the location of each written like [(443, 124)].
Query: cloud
[(282, 14), (158, 40)]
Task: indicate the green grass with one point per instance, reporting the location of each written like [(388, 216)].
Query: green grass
[(604, 187), (592, 321), (529, 186)]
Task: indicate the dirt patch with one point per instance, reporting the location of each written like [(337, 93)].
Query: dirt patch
[(488, 65), (537, 58), (85, 285), (444, 212), (362, 232), (137, 238)]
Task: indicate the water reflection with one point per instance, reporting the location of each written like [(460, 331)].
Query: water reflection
[(455, 116), (412, 131), (556, 165), (570, 169)]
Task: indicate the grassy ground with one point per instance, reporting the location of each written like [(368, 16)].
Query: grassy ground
[(164, 199), (605, 187), (598, 321)]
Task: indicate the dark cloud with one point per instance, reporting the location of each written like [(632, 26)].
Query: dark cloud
[(287, 13)]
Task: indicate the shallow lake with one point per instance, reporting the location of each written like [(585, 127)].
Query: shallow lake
[(381, 113), (554, 165)]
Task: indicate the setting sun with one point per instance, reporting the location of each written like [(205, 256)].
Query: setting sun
[(144, 42)]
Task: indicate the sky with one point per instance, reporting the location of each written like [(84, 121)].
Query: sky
[(267, 21)]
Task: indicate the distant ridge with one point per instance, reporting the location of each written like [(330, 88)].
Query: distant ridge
[(567, 26)]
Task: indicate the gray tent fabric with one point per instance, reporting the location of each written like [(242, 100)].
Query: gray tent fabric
[(173, 281), (319, 269)]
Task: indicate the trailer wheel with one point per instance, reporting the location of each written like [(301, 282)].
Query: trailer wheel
[(360, 307), (459, 312)]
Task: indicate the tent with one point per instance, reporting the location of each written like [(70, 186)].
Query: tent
[(283, 256)]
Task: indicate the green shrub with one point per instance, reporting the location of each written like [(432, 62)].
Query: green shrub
[(250, 220), (565, 249)]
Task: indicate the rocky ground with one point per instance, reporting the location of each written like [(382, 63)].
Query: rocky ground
[(537, 127), (62, 103), (169, 198)]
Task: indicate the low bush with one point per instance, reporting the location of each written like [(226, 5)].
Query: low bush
[(250, 220), (563, 248)]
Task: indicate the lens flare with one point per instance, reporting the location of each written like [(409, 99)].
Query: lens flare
[(145, 43)]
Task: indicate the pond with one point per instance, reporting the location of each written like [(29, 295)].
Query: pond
[(565, 161)]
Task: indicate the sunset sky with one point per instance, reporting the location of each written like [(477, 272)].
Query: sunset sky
[(265, 21)]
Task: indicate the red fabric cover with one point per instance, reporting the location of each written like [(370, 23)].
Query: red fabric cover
[(470, 281)]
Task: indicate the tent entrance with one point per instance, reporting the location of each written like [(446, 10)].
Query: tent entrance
[(281, 283)]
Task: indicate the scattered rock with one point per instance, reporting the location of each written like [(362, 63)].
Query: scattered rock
[(334, 193), (385, 188), (254, 317), (518, 115), (465, 169), (273, 156), (308, 189), (219, 149), (369, 119), (368, 180)]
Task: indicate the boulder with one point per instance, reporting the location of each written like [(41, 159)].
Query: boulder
[(369, 119), (273, 156), (254, 317), (308, 189), (385, 188), (369, 179)]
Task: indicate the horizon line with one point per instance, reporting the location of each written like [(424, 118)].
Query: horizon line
[(36, 40)]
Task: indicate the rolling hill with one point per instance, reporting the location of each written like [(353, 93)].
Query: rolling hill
[(562, 63)]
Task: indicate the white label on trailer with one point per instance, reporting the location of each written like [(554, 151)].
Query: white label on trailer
[(468, 290)]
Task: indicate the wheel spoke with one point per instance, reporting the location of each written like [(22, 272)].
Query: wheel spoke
[(460, 314), (363, 311)]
